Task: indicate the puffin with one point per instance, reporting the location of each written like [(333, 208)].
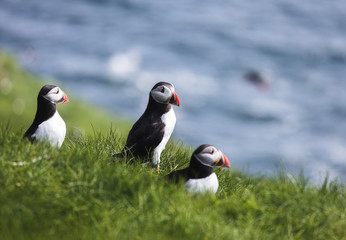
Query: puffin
[(48, 124), (150, 133), (199, 176)]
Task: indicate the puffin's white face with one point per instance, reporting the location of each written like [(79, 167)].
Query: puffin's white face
[(164, 94), (56, 95), (211, 156)]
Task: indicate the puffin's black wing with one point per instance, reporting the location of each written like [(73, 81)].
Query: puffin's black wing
[(30, 132), (144, 136), (45, 110), (179, 175)]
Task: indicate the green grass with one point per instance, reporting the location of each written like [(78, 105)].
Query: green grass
[(77, 192)]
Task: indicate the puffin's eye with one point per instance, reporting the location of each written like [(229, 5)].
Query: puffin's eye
[(163, 90), (57, 91), (212, 151)]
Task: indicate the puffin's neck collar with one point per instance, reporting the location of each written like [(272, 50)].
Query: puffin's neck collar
[(198, 169), (45, 109), (157, 107)]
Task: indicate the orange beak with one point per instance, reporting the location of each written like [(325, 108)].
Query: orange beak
[(65, 99), (174, 100), (225, 162)]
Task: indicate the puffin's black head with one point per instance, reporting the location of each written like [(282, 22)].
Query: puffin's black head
[(210, 156), (53, 94), (164, 93)]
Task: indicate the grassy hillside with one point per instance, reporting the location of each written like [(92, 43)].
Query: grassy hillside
[(77, 192)]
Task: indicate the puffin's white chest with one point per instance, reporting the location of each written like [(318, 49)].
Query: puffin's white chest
[(209, 183), (169, 120), (53, 130)]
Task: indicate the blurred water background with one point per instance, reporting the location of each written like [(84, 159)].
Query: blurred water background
[(289, 110)]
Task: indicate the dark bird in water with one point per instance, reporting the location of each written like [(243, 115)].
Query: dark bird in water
[(149, 135), (48, 125), (199, 176), (257, 79)]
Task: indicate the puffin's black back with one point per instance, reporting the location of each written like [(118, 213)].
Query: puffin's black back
[(194, 171), (45, 110), (147, 133)]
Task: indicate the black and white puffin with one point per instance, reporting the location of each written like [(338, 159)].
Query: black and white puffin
[(47, 124), (149, 135), (199, 176)]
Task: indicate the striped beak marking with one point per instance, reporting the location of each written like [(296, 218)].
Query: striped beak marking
[(64, 99), (174, 99), (222, 162)]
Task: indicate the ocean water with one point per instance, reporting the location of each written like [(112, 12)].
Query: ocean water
[(291, 113)]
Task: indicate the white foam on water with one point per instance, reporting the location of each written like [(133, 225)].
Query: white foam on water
[(124, 65)]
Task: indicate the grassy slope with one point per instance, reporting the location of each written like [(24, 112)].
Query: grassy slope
[(78, 193)]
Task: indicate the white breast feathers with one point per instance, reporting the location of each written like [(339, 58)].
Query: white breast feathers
[(198, 185), (53, 130), (169, 120)]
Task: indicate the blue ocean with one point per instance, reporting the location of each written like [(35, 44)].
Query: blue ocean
[(265, 81)]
